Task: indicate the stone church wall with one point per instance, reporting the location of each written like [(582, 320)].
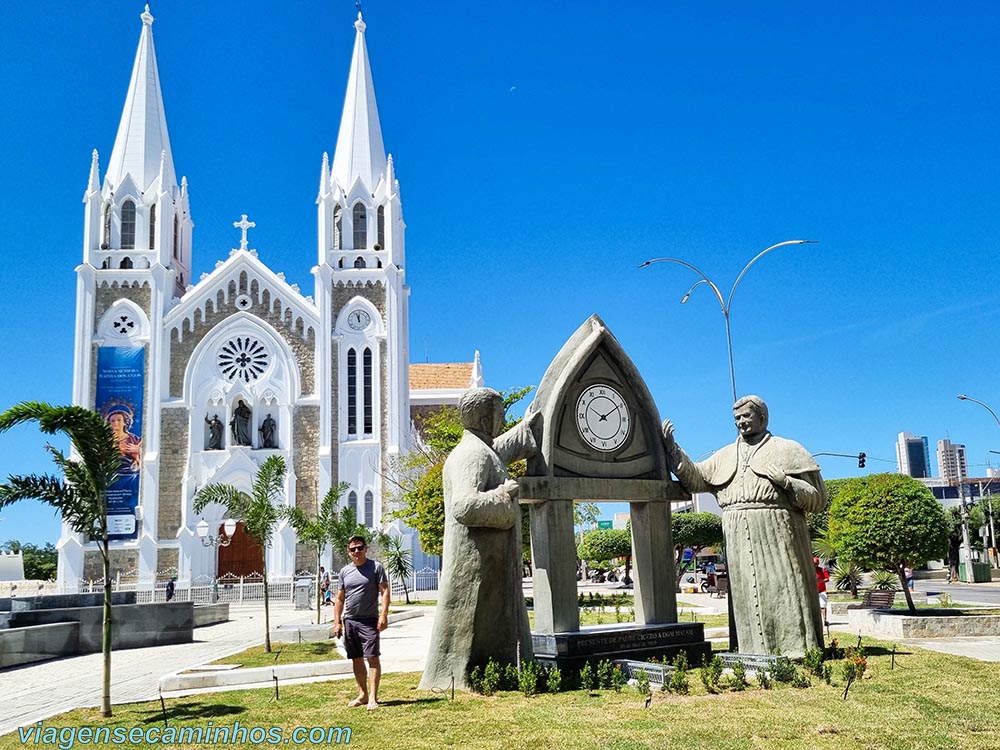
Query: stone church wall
[(302, 346), (167, 560), (123, 561), (173, 458), (345, 292)]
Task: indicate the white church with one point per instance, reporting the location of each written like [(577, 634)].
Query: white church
[(202, 380)]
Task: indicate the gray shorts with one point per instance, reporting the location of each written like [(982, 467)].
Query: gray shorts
[(361, 637)]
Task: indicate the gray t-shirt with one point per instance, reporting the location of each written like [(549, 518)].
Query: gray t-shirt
[(360, 584)]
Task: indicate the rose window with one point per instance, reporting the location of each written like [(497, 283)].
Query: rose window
[(123, 325), (243, 358)]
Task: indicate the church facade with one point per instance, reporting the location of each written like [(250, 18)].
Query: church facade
[(202, 380)]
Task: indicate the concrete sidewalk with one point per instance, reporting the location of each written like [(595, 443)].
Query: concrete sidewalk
[(36, 691)]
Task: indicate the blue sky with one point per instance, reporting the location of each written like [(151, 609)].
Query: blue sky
[(544, 151)]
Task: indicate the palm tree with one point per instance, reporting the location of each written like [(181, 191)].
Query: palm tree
[(343, 526), (317, 532), (398, 560), (80, 495), (258, 511)]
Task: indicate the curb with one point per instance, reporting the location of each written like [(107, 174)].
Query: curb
[(254, 675)]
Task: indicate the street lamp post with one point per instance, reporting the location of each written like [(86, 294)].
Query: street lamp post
[(216, 540), (993, 541), (726, 304)]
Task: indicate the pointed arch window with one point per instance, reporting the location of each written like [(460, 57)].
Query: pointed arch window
[(352, 392), (359, 262), (177, 237), (352, 502), (380, 227), (338, 227), (368, 391), (369, 510), (360, 226), (126, 262), (128, 225), (152, 227)]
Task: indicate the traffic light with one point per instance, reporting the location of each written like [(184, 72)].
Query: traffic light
[(861, 460)]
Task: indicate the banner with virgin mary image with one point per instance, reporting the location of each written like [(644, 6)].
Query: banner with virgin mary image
[(120, 383)]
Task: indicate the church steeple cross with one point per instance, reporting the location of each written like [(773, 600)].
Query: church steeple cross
[(243, 225)]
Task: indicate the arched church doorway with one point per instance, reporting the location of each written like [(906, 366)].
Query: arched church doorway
[(242, 557)]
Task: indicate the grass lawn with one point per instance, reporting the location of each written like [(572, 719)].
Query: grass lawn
[(283, 653), (929, 702)]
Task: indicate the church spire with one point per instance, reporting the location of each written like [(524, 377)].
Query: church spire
[(360, 152), (142, 140)]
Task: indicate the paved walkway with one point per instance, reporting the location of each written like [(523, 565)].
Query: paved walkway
[(35, 692)]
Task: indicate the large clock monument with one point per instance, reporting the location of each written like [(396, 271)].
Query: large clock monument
[(601, 444)]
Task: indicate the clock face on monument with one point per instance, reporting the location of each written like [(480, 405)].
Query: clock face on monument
[(603, 418)]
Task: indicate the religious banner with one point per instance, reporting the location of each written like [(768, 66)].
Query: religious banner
[(120, 383)]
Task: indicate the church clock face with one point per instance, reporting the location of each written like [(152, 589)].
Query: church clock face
[(603, 418), (359, 320)]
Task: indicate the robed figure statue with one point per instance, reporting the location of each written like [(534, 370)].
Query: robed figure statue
[(765, 485)]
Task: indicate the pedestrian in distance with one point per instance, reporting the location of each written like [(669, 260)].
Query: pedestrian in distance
[(361, 613), (171, 585), (822, 576)]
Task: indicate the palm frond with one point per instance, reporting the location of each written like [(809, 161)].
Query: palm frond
[(235, 501), (270, 479), (47, 489)]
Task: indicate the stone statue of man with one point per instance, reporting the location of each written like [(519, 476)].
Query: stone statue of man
[(214, 433), (240, 424), (481, 612), (268, 430), (765, 485)]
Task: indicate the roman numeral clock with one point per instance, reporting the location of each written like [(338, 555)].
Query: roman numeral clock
[(602, 417)]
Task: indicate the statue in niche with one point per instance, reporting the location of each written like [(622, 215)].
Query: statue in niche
[(764, 485), (481, 612), (268, 433), (215, 428), (239, 425)]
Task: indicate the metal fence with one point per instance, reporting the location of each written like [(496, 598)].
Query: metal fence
[(204, 589)]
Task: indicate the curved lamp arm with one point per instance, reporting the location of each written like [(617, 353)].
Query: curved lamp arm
[(704, 279), (758, 256), (963, 397)]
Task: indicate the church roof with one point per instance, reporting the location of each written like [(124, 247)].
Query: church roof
[(142, 140), (440, 375), (447, 375), (360, 152)]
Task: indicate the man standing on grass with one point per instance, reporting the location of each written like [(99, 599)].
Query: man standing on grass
[(362, 583)]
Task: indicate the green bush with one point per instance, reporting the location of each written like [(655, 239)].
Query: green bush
[(617, 678), (885, 580), (511, 679), (587, 677), (492, 677), (813, 661), (553, 680), (642, 683), (528, 677), (846, 576), (738, 681), (783, 670), (604, 671), (476, 679), (763, 680)]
